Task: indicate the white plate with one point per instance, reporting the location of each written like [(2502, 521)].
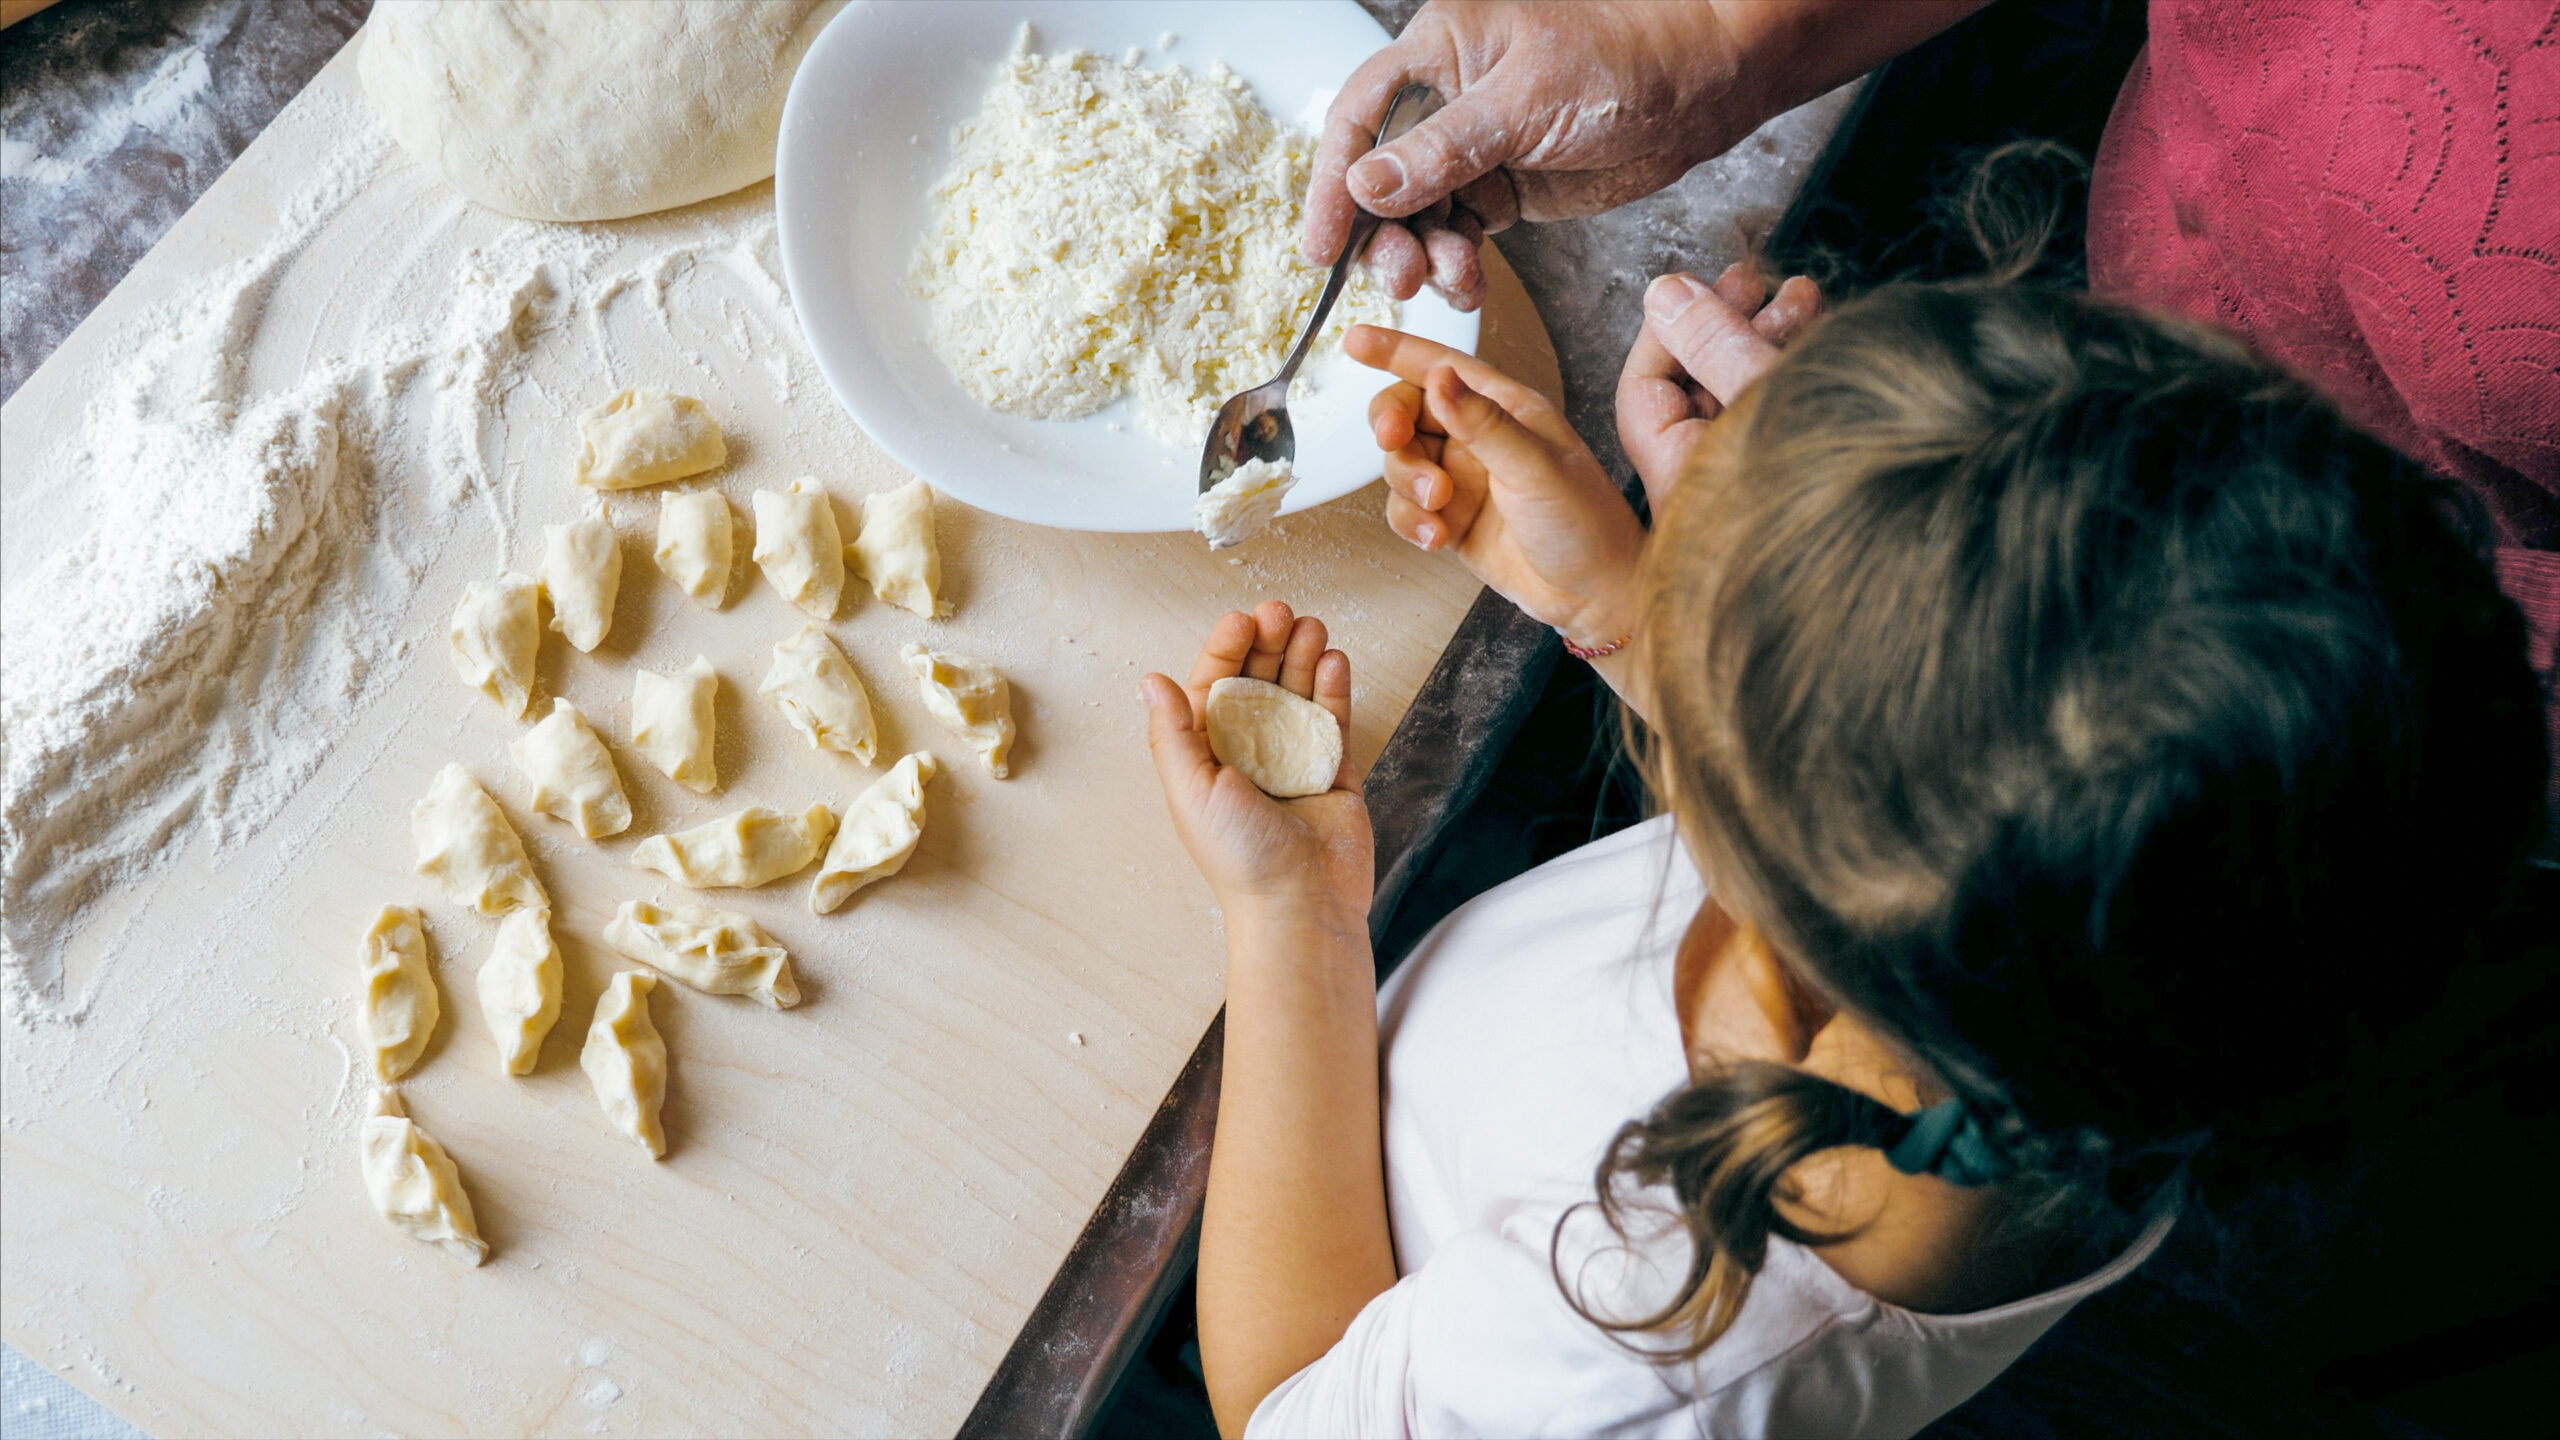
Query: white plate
[(851, 192)]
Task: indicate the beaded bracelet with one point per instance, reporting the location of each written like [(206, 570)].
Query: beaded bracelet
[(1593, 652)]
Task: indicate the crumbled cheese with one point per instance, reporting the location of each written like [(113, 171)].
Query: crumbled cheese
[(1236, 508), (1108, 230)]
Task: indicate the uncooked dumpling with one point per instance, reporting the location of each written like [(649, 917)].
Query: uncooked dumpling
[(718, 952), (672, 717), (879, 832), (626, 1061), (816, 690), (647, 437), (895, 550), (581, 573), (753, 847), (1286, 744), (400, 1004), (591, 111), (971, 699), (519, 987), (497, 628), (467, 846), (694, 545), (799, 547), (574, 781), (413, 1183)]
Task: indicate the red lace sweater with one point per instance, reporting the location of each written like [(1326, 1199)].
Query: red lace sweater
[(2370, 191)]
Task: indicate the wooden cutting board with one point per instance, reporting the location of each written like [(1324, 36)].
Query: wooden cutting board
[(863, 1196)]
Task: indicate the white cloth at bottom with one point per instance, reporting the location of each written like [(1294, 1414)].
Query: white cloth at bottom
[(1518, 1038)]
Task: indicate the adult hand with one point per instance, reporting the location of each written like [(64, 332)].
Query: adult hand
[(1553, 110), (1481, 464), (1701, 346), (1559, 108), (1308, 858)]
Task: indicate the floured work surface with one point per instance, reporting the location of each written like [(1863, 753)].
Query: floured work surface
[(863, 1196)]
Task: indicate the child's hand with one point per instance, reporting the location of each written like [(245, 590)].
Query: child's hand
[(1297, 860), (1701, 346), (1484, 465)]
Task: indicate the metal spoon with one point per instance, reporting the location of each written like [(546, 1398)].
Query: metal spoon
[(1254, 424)]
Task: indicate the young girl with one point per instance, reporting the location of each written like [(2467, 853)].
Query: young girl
[(2078, 746)]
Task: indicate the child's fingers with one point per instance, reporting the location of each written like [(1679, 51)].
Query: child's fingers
[(1179, 747), (1500, 442), (1333, 692), (1794, 307), (1655, 397), (1418, 527), (1411, 358), (1271, 626), (1712, 340), (1221, 655), (1396, 416), (1411, 474), (1298, 662)]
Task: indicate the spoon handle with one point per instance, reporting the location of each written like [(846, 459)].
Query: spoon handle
[(1363, 226)]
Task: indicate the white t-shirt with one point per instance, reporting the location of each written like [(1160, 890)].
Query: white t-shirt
[(1518, 1037)]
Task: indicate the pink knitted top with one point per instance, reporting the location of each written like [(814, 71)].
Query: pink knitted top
[(2370, 191)]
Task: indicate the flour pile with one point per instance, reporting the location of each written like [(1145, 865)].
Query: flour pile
[(183, 664), (1108, 229)]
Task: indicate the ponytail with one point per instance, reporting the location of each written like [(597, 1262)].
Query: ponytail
[(1724, 1146)]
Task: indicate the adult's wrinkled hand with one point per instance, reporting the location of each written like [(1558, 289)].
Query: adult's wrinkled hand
[(1553, 110)]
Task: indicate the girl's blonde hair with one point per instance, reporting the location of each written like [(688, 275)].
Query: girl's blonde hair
[(2058, 687)]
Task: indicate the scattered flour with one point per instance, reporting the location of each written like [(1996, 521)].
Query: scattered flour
[(180, 664), (1108, 229)]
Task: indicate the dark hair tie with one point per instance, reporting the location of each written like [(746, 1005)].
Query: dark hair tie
[(1947, 1140)]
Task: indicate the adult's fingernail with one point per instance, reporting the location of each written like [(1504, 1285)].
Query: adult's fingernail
[(1670, 296), (1380, 173)]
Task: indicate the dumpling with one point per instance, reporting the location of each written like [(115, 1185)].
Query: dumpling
[(413, 1183), (816, 690), (496, 631), (646, 437), (466, 844), (753, 847), (719, 952), (896, 553), (671, 723), (574, 781), (970, 699), (581, 573), (879, 832), (798, 546), (694, 546), (626, 1062), (520, 988), (400, 1006)]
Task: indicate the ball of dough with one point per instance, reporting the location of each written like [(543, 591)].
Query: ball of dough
[(588, 109), (1286, 745)]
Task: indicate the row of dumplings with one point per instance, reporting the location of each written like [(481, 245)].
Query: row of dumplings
[(466, 843)]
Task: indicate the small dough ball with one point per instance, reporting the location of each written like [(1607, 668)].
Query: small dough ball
[(555, 111), (647, 437), (1286, 745)]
